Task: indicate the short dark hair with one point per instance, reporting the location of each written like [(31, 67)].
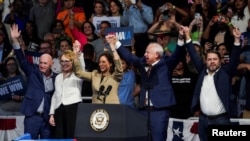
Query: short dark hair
[(213, 51), (43, 42), (106, 22)]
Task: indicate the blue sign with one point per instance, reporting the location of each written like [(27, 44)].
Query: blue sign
[(12, 86), (124, 34)]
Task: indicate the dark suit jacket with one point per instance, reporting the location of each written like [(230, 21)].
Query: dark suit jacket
[(161, 94), (35, 88), (222, 78)]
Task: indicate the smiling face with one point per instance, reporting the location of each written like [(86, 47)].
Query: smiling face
[(87, 29), (104, 64), (66, 64), (45, 64), (151, 55)]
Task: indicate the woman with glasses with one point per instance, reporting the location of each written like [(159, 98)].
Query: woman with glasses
[(10, 104), (66, 97)]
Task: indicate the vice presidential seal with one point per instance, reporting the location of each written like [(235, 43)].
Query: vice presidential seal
[(99, 120)]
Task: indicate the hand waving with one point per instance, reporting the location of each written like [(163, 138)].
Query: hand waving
[(15, 33)]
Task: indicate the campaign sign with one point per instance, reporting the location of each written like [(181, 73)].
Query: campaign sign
[(32, 57), (15, 85), (123, 34), (114, 21)]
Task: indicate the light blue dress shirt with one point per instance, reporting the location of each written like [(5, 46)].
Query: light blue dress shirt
[(140, 20)]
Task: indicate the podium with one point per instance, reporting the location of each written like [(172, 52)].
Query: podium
[(109, 122)]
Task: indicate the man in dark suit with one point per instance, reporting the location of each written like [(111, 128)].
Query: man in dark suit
[(213, 89), (36, 103), (156, 94)]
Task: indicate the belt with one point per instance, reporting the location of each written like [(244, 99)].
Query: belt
[(216, 116), (39, 114)]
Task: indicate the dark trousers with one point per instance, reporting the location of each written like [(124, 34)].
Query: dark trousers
[(205, 121), (158, 123), (65, 119), (37, 127)]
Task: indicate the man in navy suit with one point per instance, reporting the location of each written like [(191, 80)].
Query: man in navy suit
[(36, 103), (155, 85), (213, 89)]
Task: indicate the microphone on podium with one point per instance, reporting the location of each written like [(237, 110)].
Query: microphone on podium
[(106, 93), (100, 92)]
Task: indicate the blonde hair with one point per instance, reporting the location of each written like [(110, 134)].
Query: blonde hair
[(68, 54)]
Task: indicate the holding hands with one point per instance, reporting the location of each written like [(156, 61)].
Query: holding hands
[(184, 32), (111, 40), (76, 47)]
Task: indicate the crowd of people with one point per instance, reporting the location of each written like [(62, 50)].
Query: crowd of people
[(186, 59)]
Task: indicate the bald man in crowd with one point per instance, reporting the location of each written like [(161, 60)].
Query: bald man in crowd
[(36, 103)]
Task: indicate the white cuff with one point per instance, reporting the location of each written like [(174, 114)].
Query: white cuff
[(188, 41), (236, 44), (180, 42), (16, 46), (118, 44)]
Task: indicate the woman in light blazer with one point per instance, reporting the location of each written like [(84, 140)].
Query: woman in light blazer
[(67, 95), (106, 79)]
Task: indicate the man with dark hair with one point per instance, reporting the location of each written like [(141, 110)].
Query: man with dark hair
[(211, 101), (100, 44)]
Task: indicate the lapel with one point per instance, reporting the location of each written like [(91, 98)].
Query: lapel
[(105, 79)]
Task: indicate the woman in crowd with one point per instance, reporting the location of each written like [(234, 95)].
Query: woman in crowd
[(12, 103), (99, 10), (115, 8), (69, 13), (29, 35), (127, 85)]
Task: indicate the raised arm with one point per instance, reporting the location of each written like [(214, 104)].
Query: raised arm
[(111, 39), (79, 54), (235, 53), (15, 35)]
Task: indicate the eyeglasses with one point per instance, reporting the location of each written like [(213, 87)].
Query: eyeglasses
[(65, 61)]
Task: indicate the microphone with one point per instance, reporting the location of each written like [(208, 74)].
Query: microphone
[(107, 93), (100, 92), (108, 90)]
